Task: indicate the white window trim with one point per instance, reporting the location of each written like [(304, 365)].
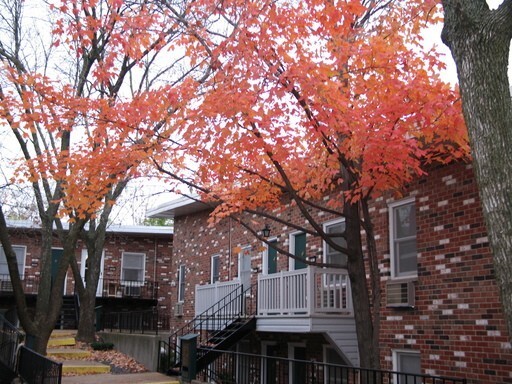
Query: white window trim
[(291, 248), (134, 283), (396, 353), (264, 264), (291, 355), (22, 271), (240, 254), (391, 208), (216, 256), (324, 244), (181, 267)]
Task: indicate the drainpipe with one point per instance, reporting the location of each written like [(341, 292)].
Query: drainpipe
[(229, 251), (155, 242)]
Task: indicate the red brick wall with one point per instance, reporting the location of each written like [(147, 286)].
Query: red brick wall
[(457, 323), (158, 250)]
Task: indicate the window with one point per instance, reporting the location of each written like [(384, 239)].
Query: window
[(20, 252), (132, 270), (406, 362), (331, 255), (181, 283), (404, 257), (334, 374), (215, 268), (298, 248)]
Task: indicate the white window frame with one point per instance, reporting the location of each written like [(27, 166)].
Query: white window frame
[(291, 355), (391, 210), (21, 268), (325, 226), (264, 265), (212, 275), (182, 273), (291, 247), (396, 360), (131, 282)]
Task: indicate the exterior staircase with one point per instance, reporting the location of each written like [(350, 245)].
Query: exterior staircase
[(218, 327), (68, 318)]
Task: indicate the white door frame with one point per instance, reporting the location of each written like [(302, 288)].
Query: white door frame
[(99, 290)]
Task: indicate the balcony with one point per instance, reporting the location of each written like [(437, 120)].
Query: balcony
[(305, 292), (209, 294), (310, 300), (114, 288)]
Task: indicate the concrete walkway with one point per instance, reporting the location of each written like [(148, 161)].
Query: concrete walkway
[(140, 378)]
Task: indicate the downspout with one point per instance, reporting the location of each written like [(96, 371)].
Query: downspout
[(154, 262), (229, 251)]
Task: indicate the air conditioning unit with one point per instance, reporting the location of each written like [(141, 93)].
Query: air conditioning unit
[(400, 294), (132, 290), (178, 310)]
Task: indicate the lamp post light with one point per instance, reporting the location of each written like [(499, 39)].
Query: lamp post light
[(266, 231)]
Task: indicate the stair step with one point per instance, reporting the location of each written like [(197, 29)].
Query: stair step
[(68, 353), (59, 333), (61, 341), (84, 367)]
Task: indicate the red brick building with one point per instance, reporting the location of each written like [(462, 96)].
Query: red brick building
[(135, 267), (441, 313)]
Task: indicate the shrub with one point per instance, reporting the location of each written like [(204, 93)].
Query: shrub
[(102, 346)]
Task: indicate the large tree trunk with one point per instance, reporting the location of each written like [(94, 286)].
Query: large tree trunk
[(95, 241), (40, 325), (367, 338), (479, 40)]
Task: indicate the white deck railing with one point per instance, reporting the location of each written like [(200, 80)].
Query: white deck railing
[(207, 295), (310, 291)]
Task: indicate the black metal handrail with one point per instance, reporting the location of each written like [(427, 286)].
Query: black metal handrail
[(34, 368), (165, 357), (10, 338), (235, 367), (231, 307), (151, 321)]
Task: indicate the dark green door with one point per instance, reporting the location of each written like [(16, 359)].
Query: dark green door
[(300, 250), (271, 374), (272, 258)]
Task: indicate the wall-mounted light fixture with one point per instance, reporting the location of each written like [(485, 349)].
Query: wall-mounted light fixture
[(266, 231)]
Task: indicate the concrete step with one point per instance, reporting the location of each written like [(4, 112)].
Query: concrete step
[(59, 333), (68, 353), (61, 338), (84, 367), (61, 342)]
